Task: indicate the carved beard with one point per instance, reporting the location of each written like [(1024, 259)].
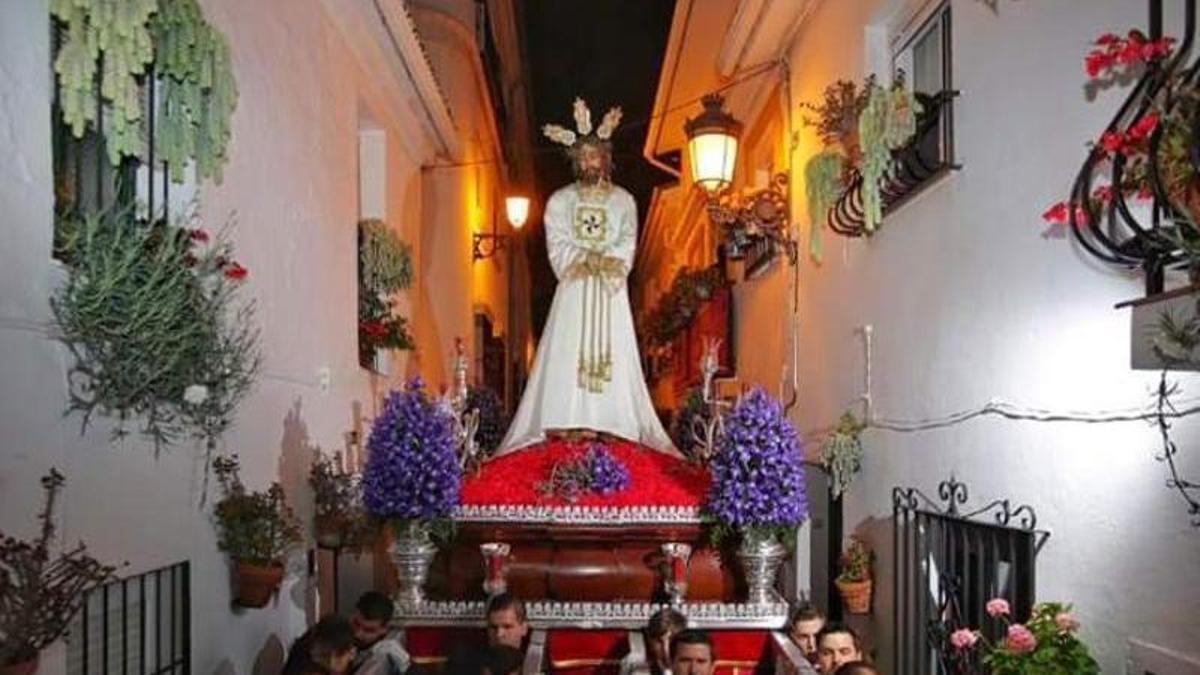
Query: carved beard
[(593, 175)]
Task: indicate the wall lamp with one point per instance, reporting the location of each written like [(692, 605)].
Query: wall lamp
[(486, 245)]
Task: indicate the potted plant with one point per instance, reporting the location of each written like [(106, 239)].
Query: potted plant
[(1046, 643), (412, 480), (854, 580), (836, 117), (337, 502), (39, 591), (256, 530), (757, 488)]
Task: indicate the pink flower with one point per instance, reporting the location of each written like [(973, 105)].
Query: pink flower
[(1019, 639), (964, 638), (997, 607), (1103, 194), (1066, 622)]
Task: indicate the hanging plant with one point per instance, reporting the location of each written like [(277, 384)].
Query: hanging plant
[(95, 32), (384, 267), (110, 45), (842, 452), (678, 306), (150, 315), (198, 90), (888, 121), (386, 260), (823, 185)]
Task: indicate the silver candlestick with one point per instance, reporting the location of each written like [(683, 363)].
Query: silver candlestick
[(707, 429), (466, 422)]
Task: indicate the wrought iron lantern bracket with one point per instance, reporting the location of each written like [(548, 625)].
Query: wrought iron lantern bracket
[(756, 215)]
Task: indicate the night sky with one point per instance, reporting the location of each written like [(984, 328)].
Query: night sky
[(610, 53)]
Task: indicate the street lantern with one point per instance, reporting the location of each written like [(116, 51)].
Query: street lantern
[(713, 144), (517, 208)]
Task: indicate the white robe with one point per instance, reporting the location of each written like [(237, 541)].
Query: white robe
[(554, 397)]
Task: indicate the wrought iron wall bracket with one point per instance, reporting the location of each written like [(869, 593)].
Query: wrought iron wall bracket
[(753, 216), (486, 245), (1109, 231)]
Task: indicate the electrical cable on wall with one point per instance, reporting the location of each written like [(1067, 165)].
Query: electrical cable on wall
[(1159, 412)]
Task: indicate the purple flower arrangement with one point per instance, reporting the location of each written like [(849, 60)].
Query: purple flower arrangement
[(594, 471), (758, 470), (412, 472)]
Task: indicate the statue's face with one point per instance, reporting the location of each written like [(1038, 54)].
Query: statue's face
[(592, 164)]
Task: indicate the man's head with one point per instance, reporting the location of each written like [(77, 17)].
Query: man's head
[(692, 653), (857, 668), (372, 615), (803, 626), (837, 645), (591, 158), (331, 644), (663, 625), (506, 623)]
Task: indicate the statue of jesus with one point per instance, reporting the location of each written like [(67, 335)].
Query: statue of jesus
[(587, 375)]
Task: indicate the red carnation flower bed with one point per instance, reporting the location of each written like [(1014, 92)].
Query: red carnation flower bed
[(656, 479)]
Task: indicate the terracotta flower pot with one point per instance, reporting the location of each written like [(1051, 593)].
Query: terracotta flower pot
[(856, 595), (26, 667), (330, 531), (255, 584)]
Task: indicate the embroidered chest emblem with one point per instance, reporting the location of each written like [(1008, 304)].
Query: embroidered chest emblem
[(591, 224)]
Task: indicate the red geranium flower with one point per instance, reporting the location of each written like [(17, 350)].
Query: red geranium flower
[(1112, 141), (1103, 194), (198, 235), (235, 271), (1143, 127), (1056, 214)]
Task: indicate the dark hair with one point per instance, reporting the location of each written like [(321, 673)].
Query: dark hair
[(503, 659), (805, 612), (856, 668), (375, 606), (665, 620), (313, 651), (503, 601), (836, 628), (691, 636)]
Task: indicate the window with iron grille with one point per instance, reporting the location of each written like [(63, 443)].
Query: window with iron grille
[(922, 57), (85, 179), (140, 624), (948, 562)]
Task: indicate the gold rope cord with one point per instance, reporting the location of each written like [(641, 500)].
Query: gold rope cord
[(595, 336)]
